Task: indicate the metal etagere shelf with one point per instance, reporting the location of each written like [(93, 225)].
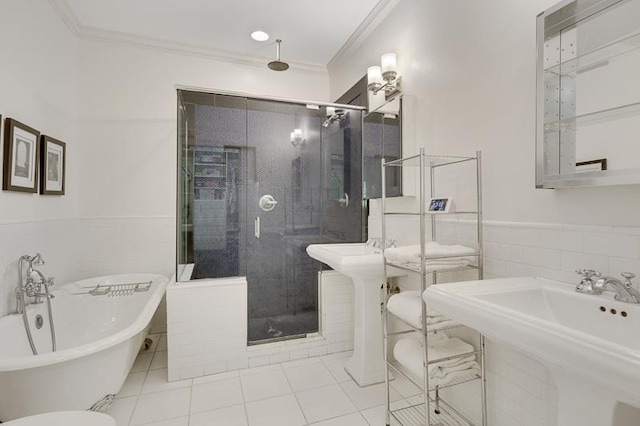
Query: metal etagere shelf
[(434, 410)]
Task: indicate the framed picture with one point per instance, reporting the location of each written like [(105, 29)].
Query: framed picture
[(21, 157), (591, 165), (52, 166), (441, 205)]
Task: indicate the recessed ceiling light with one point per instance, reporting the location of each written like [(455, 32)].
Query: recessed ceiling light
[(260, 36)]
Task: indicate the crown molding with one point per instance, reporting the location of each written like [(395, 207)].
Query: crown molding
[(130, 40), (364, 30)]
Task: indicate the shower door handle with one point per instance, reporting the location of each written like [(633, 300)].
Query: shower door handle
[(256, 227)]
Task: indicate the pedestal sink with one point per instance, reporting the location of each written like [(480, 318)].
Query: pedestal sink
[(589, 343), (364, 265)]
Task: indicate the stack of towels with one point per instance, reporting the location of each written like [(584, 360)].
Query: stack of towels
[(408, 352), (407, 306), (409, 256)]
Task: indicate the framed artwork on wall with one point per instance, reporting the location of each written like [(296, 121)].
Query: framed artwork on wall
[(52, 166), (21, 157)]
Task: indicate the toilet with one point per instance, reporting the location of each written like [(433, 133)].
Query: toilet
[(65, 418)]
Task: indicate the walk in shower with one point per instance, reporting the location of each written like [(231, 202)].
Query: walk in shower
[(258, 181)]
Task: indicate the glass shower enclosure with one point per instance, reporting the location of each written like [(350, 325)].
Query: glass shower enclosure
[(258, 181)]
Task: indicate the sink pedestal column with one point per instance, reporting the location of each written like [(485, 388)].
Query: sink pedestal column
[(366, 366), (584, 403)]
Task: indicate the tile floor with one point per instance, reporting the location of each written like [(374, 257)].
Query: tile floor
[(313, 391)]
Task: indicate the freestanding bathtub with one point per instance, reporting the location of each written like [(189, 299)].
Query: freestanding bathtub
[(98, 338)]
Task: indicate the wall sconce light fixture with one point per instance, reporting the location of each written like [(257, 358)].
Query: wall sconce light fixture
[(384, 77), (297, 138)]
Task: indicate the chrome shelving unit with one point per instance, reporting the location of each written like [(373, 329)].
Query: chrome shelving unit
[(434, 410)]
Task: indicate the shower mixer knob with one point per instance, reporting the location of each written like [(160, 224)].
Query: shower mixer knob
[(267, 203)]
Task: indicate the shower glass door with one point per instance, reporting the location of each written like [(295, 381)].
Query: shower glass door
[(284, 208), (260, 180)]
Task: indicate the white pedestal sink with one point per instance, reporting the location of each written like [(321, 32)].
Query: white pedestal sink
[(364, 265), (589, 343)]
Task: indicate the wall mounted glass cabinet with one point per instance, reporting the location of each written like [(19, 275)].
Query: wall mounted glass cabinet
[(588, 100)]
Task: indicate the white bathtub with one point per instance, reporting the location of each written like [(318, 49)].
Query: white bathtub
[(98, 338)]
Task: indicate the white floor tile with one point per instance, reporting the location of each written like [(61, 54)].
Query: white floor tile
[(158, 406), (404, 386), (215, 395), (279, 411), (336, 367), (368, 396), (181, 421), (132, 385), (354, 419), (122, 409), (300, 362), (376, 416), (215, 377), (260, 370), (142, 362), (324, 403), (265, 385), (156, 381), (309, 376), (159, 360), (228, 416)]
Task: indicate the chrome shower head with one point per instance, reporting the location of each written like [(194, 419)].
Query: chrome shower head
[(278, 65), (338, 115)]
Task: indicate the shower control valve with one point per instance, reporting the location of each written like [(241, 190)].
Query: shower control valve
[(267, 203)]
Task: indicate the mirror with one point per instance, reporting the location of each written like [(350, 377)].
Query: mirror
[(588, 101), (382, 137)]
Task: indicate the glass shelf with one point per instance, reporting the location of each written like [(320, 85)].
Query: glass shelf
[(571, 123), (591, 60)]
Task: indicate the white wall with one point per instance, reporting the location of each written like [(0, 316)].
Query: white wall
[(38, 88), (471, 66)]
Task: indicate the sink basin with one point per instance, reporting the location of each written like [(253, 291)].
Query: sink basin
[(589, 343), (350, 259), (364, 265)]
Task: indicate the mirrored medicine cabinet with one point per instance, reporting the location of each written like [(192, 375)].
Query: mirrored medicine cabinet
[(588, 94)]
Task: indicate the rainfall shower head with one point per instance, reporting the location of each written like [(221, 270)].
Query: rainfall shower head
[(338, 115), (278, 65)]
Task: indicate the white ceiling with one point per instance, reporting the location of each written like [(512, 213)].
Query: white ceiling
[(312, 32)]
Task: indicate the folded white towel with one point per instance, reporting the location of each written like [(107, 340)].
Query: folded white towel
[(439, 265), (409, 353), (411, 253), (407, 305)]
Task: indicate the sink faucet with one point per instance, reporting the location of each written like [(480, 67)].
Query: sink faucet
[(587, 285), (624, 290)]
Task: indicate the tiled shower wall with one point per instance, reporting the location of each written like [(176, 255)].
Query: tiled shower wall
[(520, 390), (207, 327)]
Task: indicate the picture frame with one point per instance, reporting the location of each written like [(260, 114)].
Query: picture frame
[(52, 166), (21, 157), (591, 165)]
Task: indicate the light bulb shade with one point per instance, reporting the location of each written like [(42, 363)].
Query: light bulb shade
[(374, 77), (297, 133), (293, 136), (389, 66)]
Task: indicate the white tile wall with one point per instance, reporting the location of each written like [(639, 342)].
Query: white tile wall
[(520, 390), (54, 239), (207, 327)]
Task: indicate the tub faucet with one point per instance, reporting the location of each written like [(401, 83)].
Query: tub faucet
[(587, 285), (624, 290), (32, 287)]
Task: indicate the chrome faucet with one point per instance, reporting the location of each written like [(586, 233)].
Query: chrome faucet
[(587, 285), (30, 287), (625, 292)]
